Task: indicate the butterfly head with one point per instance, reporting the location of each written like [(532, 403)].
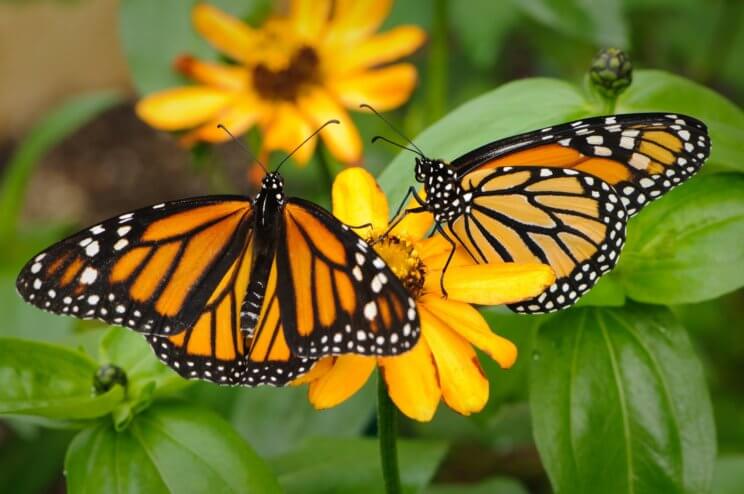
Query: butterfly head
[(424, 167), (445, 197), (272, 185)]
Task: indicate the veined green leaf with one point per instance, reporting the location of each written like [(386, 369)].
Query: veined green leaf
[(619, 403), (516, 107), (686, 247), (50, 381), (353, 465), (131, 352), (168, 448), (729, 476), (654, 90), (255, 414), (600, 21)]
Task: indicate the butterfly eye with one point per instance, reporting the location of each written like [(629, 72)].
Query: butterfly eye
[(420, 171)]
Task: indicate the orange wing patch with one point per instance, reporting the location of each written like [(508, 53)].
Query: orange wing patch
[(568, 220), (338, 296)]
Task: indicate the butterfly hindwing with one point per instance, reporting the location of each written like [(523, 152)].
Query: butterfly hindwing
[(336, 294), (217, 349), (641, 155), (567, 219), (152, 269)]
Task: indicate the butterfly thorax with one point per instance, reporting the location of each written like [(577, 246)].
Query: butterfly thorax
[(445, 197), (269, 201)]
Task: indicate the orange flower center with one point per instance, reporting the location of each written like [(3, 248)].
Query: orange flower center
[(286, 83), (402, 258)]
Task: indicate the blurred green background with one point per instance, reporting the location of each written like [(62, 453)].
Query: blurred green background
[(72, 152)]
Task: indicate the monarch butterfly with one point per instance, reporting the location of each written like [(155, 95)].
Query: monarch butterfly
[(229, 289), (560, 195)]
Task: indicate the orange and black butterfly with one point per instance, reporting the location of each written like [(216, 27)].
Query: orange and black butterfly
[(229, 289), (560, 195)]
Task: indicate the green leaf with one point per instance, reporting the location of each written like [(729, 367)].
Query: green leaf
[(52, 129), (23, 320), (600, 21), (255, 414), (493, 485), (131, 352), (607, 292), (50, 381), (482, 35), (516, 107), (353, 465), (729, 474), (654, 90), (619, 403), (45, 450), (686, 247), (155, 34), (169, 448)]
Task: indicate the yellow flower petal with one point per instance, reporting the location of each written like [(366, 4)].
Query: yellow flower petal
[(469, 323), (384, 89), (435, 250), (342, 139), (226, 33), (412, 382), (346, 377), (464, 386), (356, 19), (238, 118), (309, 17), (380, 49), (492, 284), (183, 107), (223, 76), (321, 367), (357, 200), (414, 225), (285, 129)]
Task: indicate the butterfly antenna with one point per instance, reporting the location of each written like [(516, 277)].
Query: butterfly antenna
[(396, 144), (243, 146), (394, 129), (334, 121)]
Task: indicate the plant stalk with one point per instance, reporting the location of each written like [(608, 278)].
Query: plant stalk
[(387, 431)]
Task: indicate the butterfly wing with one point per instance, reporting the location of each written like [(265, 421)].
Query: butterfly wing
[(216, 348), (336, 295), (641, 155), (567, 219), (152, 270)]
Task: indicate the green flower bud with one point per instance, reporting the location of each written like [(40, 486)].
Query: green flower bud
[(611, 72), (107, 376)]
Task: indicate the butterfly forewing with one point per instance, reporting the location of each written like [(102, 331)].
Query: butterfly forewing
[(567, 219), (153, 269), (340, 296), (641, 155)]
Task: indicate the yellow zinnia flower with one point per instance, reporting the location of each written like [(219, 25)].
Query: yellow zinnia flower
[(443, 364), (296, 72)]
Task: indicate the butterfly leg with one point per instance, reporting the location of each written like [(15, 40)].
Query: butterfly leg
[(449, 258), (359, 227), (398, 217)]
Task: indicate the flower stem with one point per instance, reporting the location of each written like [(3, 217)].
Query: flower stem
[(387, 430), (610, 105)]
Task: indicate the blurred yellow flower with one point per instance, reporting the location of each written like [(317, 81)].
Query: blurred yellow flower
[(294, 73), (443, 364)]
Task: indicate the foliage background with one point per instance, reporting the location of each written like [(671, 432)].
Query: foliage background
[(618, 397)]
